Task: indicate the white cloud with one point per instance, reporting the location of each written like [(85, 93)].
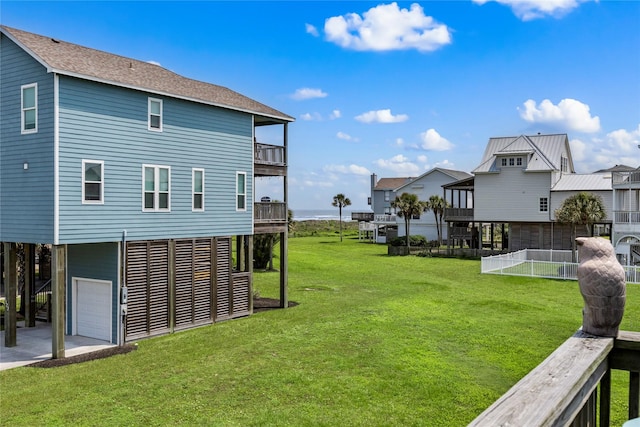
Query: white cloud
[(400, 165), (381, 116), (311, 117), (399, 142), (619, 147), (349, 170), (533, 9), (346, 137), (578, 150), (569, 114), (387, 27), (624, 141), (308, 93), (422, 158), (431, 140), (335, 114), (310, 29), (445, 164)]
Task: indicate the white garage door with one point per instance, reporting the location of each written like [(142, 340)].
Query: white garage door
[(93, 309)]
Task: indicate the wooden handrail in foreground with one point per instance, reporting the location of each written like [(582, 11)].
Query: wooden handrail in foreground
[(561, 390)]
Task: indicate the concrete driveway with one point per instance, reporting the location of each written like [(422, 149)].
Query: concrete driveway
[(34, 345)]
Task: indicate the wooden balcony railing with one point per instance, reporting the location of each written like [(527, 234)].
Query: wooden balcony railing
[(561, 391), (626, 217), (269, 213), (385, 218), (458, 214), (362, 216), (266, 154)]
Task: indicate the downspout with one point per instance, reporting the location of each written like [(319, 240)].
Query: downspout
[(123, 291)]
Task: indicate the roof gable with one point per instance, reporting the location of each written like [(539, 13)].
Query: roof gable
[(91, 64), (544, 152), (451, 173)]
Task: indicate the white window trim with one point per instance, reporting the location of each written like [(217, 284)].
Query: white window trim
[(238, 193), (540, 204), (93, 202), (156, 192), (159, 129), (193, 191), (22, 109)]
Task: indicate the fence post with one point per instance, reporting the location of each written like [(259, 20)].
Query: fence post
[(531, 261)]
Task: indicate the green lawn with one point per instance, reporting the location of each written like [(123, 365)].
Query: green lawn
[(375, 340)]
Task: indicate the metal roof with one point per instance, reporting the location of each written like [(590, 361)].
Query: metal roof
[(583, 182), (543, 152), (86, 63)]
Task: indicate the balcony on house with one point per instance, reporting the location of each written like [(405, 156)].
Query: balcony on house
[(458, 214), (269, 217), (362, 216), (270, 160)]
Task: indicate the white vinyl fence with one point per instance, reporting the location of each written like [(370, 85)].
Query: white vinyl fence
[(541, 263)]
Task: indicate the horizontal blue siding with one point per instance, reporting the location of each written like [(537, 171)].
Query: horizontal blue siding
[(100, 122), (26, 196)]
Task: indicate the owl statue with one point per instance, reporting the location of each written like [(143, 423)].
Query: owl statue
[(602, 284)]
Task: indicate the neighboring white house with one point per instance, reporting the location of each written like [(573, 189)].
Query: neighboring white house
[(384, 221), (626, 216), (520, 182), (426, 185)]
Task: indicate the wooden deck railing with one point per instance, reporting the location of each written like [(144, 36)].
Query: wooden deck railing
[(626, 177), (272, 212), (269, 154), (458, 214), (562, 390)]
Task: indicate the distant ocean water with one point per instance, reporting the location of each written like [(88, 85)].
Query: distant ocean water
[(320, 214)]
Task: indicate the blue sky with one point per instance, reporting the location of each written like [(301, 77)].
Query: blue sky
[(388, 88)]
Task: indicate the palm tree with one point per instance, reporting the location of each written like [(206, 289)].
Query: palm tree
[(340, 201), (581, 209), (437, 204), (408, 205)]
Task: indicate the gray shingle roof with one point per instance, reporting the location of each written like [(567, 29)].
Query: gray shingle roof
[(83, 62), (391, 183)]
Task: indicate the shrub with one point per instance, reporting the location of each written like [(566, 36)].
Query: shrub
[(415, 241)]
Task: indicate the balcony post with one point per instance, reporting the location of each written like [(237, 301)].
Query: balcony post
[(605, 398)]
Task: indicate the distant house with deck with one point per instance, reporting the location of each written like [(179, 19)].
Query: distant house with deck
[(142, 183), (510, 202)]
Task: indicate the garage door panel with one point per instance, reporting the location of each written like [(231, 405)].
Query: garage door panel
[(93, 309)]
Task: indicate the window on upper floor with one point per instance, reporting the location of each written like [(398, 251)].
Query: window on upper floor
[(544, 204), (197, 177), (92, 182), (387, 196), (156, 188), (518, 161), (512, 161), (155, 114), (241, 191), (564, 164), (503, 162), (29, 110)]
